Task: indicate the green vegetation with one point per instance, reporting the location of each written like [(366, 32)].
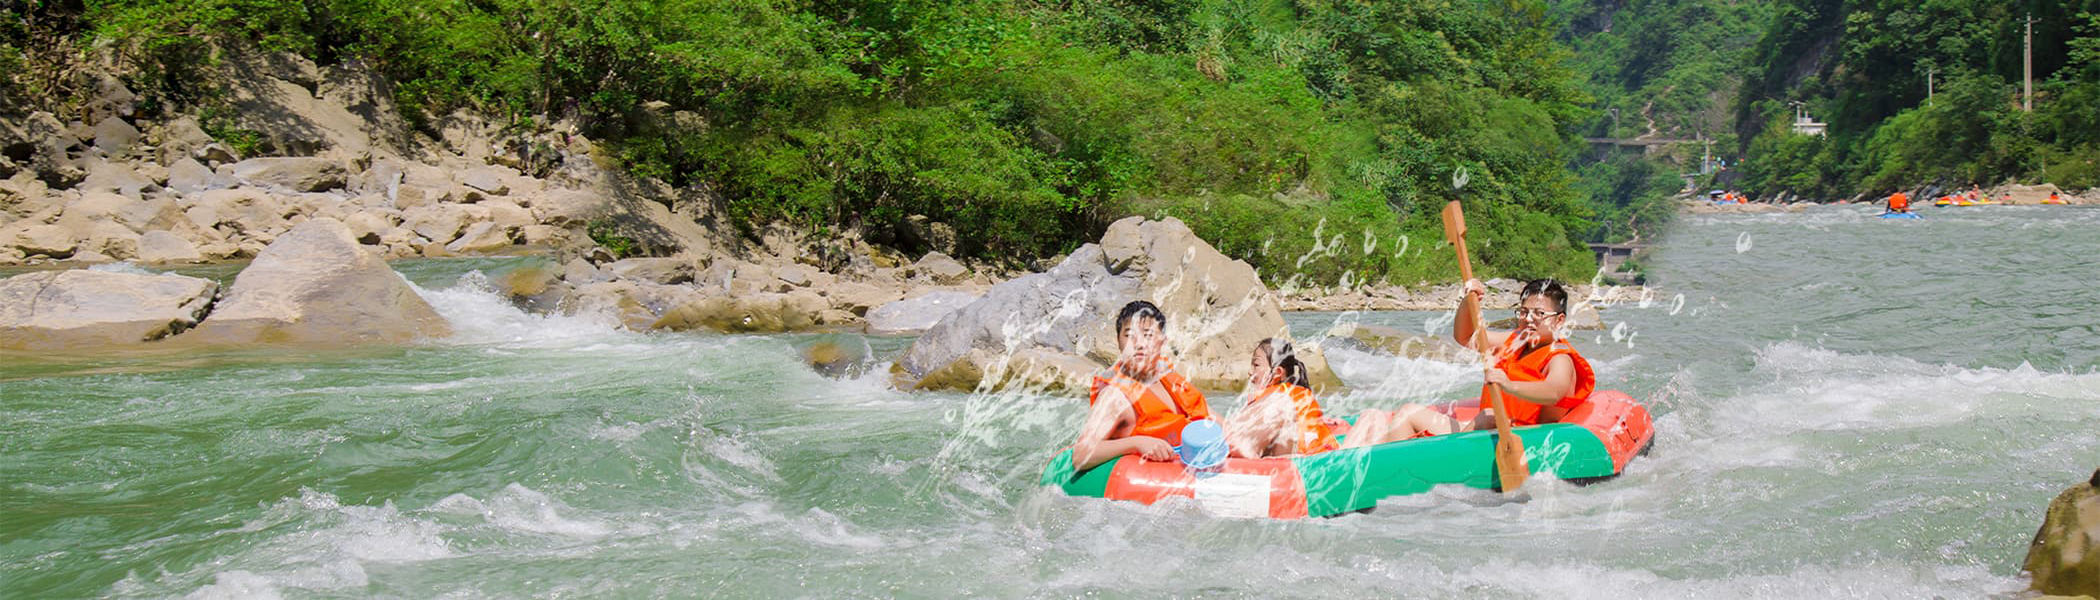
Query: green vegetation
[(607, 236), (1662, 69), (1027, 126), (1863, 65)]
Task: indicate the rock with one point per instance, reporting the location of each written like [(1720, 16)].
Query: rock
[(368, 227), (479, 238), (793, 275), (917, 314), (160, 247), (508, 216), (664, 271), (489, 180), (838, 355), (87, 309), (1395, 342), (623, 301), (179, 138), (545, 235), (579, 272), (1217, 308), (115, 137), (52, 158), (937, 236), (1037, 369), (188, 176), (537, 288), (940, 269), (564, 208), (758, 313), (439, 223), (298, 174), (316, 285), (2064, 558), (109, 99), (49, 240), (115, 177), (860, 298), (247, 210), (108, 239), (216, 154)]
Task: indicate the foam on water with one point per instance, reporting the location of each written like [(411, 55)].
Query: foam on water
[(480, 315), (313, 542)]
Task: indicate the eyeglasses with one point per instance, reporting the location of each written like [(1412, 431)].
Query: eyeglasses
[(1533, 313)]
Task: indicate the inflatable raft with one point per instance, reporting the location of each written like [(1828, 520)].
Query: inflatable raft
[(1595, 441), (1902, 215)]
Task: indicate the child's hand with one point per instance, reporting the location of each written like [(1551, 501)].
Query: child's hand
[(1497, 377), (1476, 288), (1153, 448)]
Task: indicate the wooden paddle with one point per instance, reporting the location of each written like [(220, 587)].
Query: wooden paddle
[(1509, 450)]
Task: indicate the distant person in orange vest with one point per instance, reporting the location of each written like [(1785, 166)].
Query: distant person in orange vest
[(2053, 199), (1899, 203), (1139, 405)]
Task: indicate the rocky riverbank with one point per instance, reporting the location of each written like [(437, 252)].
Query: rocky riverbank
[(103, 185), (339, 183)]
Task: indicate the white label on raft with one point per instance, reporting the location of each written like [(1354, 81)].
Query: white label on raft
[(1234, 495)]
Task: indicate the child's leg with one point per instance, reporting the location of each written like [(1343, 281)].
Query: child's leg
[(1370, 428)]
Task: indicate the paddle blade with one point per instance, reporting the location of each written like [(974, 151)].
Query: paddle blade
[(1454, 223), (1509, 460)]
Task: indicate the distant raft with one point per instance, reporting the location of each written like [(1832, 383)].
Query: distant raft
[(1595, 441), (1901, 215)]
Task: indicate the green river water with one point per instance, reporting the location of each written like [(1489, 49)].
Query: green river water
[(1846, 407)]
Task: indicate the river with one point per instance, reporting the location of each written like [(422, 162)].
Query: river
[(1846, 407)]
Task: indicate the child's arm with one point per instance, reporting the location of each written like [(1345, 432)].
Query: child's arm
[(1462, 330), (1094, 446), (1559, 382), (1252, 431)]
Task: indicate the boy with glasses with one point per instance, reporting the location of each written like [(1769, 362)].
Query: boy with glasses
[(1541, 376)]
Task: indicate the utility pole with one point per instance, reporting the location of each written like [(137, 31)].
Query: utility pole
[(2027, 65)]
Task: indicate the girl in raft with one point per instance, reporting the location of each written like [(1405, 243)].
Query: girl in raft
[(1139, 405), (1541, 376), (1281, 417)]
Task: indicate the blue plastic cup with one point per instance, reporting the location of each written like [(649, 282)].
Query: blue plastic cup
[(1203, 445)]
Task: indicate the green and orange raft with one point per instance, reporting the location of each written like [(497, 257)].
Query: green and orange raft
[(1593, 442)]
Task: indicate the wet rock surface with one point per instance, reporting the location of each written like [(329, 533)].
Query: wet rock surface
[(83, 308)]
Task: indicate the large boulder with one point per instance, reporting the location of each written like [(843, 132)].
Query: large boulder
[(85, 309), (918, 313), (1217, 309), (298, 174), (316, 285), (2064, 558)]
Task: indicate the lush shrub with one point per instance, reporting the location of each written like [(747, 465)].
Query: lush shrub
[(1027, 126)]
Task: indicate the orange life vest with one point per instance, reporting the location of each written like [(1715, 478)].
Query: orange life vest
[(1314, 436), (1530, 365), (1899, 202), (1157, 416)]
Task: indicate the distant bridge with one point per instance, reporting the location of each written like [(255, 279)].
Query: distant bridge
[(1646, 142)]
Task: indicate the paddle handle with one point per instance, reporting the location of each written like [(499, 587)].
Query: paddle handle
[(1509, 450)]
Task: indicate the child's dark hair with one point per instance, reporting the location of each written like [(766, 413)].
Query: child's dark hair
[(1549, 288), (1139, 309), (1281, 356)]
